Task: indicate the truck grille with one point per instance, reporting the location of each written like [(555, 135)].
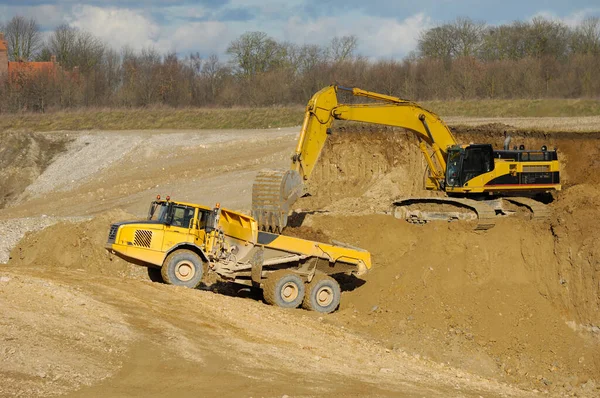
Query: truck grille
[(142, 238), (112, 235), (536, 169)]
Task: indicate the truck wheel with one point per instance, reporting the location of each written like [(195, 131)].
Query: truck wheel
[(182, 268), (154, 274), (322, 294), (284, 289)]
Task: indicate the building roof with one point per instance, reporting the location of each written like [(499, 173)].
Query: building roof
[(31, 66)]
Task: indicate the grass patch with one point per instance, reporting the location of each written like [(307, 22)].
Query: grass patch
[(248, 118), (155, 118), (516, 108)]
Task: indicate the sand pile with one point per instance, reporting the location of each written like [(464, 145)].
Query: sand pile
[(77, 246), (490, 302), (360, 169), (55, 338), (577, 253)]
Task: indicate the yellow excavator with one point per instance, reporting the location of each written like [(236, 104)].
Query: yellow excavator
[(477, 179)]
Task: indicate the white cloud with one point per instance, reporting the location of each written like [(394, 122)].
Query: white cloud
[(48, 16), (117, 26), (572, 20), (205, 37), (188, 11), (377, 37), (386, 37)]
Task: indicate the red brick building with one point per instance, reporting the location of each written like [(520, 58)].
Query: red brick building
[(3, 56), (20, 69)]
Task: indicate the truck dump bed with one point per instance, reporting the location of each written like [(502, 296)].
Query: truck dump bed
[(340, 257)]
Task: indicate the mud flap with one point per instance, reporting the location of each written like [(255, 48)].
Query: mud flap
[(257, 261)]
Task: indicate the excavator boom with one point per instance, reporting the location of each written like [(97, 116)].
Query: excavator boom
[(323, 108)]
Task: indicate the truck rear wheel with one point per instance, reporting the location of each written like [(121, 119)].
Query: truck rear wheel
[(322, 294), (284, 289), (183, 268)]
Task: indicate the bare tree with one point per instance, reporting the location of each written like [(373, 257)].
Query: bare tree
[(467, 36), (23, 38), (437, 43), (74, 47), (256, 52), (586, 38), (342, 49), (461, 38), (62, 43), (547, 38), (214, 73)]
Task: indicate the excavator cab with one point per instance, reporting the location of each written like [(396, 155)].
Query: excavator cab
[(466, 163)]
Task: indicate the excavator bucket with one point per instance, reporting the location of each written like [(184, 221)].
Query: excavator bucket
[(273, 193)]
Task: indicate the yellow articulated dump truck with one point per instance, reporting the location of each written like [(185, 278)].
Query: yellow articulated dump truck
[(187, 240)]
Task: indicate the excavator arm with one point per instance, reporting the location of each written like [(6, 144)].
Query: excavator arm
[(323, 109), (274, 191)]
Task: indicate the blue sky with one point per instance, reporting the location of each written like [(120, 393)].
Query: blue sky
[(385, 28)]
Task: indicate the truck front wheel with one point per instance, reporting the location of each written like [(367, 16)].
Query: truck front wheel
[(183, 268), (322, 294), (284, 289)]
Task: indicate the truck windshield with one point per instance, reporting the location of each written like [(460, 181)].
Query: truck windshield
[(158, 211), (171, 213)]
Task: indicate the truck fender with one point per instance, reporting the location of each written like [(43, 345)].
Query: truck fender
[(189, 246)]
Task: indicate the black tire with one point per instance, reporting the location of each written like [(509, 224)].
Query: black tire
[(284, 289), (155, 275), (323, 294), (183, 268)]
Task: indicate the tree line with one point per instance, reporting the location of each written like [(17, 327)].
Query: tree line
[(462, 59)]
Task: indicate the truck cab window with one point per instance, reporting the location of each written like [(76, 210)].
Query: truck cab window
[(182, 216)]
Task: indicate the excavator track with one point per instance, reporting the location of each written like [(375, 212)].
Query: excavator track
[(484, 214), (539, 211), (273, 192)]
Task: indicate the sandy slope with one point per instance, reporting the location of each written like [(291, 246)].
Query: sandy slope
[(445, 312)]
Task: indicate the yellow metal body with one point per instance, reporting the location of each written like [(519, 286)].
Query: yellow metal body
[(483, 183), (233, 238), (331, 253)]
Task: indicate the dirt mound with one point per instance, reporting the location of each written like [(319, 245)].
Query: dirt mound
[(577, 253), (23, 157), (492, 302), (54, 338), (77, 246), (362, 167)]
